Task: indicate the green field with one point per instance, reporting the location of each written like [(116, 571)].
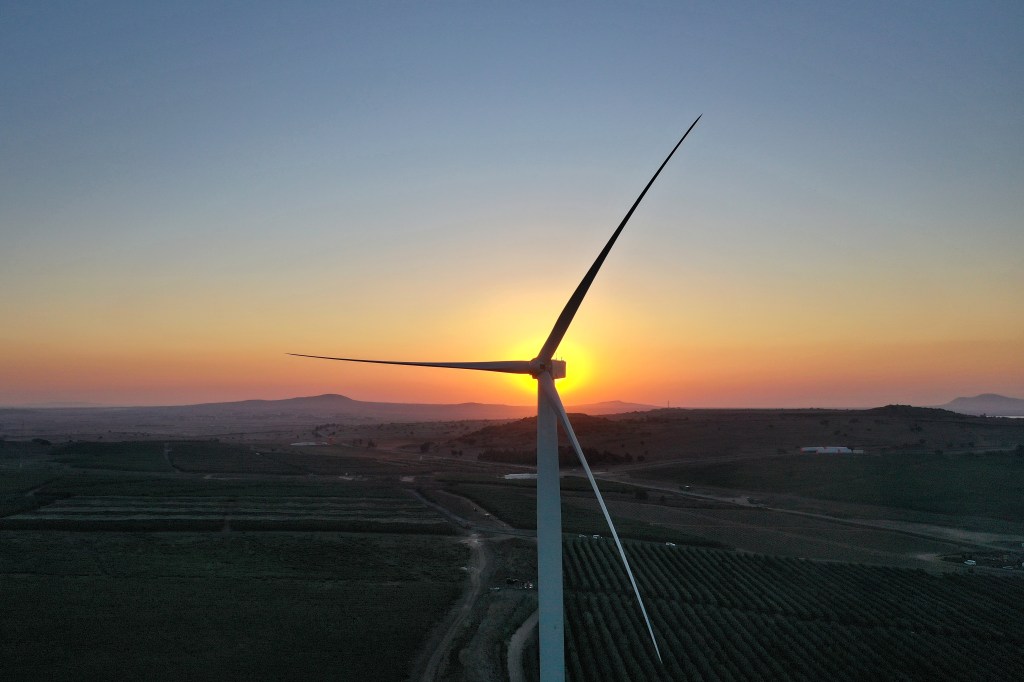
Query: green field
[(121, 456), (226, 603), (220, 606), (728, 616), (16, 485), (217, 457), (516, 505), (316, 564), (113, 483), (987, 484), (399, 514)]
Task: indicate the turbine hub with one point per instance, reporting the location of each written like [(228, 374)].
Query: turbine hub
[(555, 367)]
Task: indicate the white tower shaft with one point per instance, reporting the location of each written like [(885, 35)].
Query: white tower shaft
[(549, 544)]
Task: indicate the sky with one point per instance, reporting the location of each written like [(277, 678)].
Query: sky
[(191, 190)]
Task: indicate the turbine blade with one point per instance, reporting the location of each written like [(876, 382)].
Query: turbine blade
[(562, 324), (507, 366), (547, 385)]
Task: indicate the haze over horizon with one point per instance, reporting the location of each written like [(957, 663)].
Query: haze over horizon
[(520, 404), (191, 191)]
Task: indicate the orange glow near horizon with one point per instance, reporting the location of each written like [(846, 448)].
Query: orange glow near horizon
[(803, 375), (616, 349), (146, 263), (578, 367)]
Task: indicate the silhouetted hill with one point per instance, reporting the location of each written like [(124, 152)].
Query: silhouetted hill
[(912, 412), (261, 415), (987, 403), (672, 433), (333, 404), (609, 407)]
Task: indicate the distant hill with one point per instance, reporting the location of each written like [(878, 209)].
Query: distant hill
[(912, 412), (672, 433), (334, 407), (262, 415), (609, 407), (333, 404), (987, 403)]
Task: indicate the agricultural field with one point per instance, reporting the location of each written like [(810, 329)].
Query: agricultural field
[(400, 513), (221, 605), (217, 457), (264, 558), (132, 486), (975, 484), (121, 456), (517, 506), (200, 559), (723, 615), (777, 532)]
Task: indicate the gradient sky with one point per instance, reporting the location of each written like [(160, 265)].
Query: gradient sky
[(190, 190)]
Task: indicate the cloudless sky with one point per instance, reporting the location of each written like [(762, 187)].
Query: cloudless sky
[(190, 190)]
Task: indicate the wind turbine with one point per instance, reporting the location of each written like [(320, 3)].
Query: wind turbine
[(550, 411)]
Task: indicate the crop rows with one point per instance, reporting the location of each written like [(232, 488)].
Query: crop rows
[(725, 616), (245, 511)]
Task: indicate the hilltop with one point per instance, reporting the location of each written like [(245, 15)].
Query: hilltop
[(991, 404), (673, 433), (261, 416)]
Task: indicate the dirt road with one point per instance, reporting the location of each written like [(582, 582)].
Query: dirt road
[(516, 646), (436, 650)]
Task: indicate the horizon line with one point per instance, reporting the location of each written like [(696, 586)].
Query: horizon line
[(71, 405)]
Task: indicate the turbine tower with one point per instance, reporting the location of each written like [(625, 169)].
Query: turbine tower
[(550, 412)]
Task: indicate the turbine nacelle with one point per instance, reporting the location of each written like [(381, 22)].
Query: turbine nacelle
[(556, 368)]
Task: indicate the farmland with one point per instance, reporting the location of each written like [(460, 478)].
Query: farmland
[(209, 605), (516, 504), (257, 557), (727, 616), (986, 484), (134, 559), (224, 513)]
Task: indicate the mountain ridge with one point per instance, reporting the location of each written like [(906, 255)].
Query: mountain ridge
[(262, 415), (337, 400), (991, 404)]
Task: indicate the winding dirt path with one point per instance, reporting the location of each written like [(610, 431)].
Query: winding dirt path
[(440, 644), (516, 646)]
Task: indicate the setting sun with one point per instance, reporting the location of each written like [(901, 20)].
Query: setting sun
[(578, 366)]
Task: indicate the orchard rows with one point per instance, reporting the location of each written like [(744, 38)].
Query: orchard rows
[(721, 615)]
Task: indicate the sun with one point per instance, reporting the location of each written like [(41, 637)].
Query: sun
[(576, 357)]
